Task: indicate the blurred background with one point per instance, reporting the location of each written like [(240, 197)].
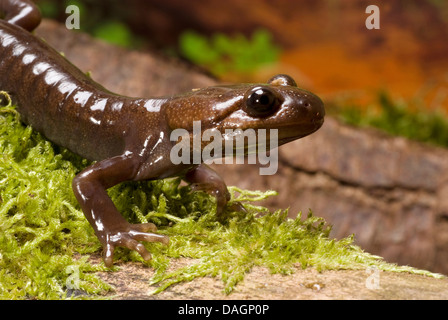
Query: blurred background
[(391, 194)]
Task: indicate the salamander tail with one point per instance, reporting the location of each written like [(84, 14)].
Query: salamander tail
[(23, 13)]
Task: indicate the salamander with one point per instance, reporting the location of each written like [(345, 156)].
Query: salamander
[(128, 137)]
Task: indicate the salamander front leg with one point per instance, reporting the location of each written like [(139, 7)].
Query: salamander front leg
[(110, 227), (205, 179)]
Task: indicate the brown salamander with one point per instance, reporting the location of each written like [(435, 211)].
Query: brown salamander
[(130, 137)]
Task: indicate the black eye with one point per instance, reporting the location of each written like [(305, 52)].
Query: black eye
[(261, 102)]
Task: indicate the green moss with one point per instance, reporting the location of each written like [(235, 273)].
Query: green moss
[(45, 241), (221, 53), (41, 228), (410, 119)]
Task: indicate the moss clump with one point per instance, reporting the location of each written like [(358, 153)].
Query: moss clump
[(45, 241), (222, 54), (41, 229), (410, 119)]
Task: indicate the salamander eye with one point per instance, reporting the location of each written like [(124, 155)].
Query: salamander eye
[(261, 102), (282, 80)]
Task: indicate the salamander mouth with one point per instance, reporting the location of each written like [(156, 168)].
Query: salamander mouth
[(291, 132), (281, 135)]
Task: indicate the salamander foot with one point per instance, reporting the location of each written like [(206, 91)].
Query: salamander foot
[(130, 239)]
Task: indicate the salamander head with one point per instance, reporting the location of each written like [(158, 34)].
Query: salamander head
[(279, 104)]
